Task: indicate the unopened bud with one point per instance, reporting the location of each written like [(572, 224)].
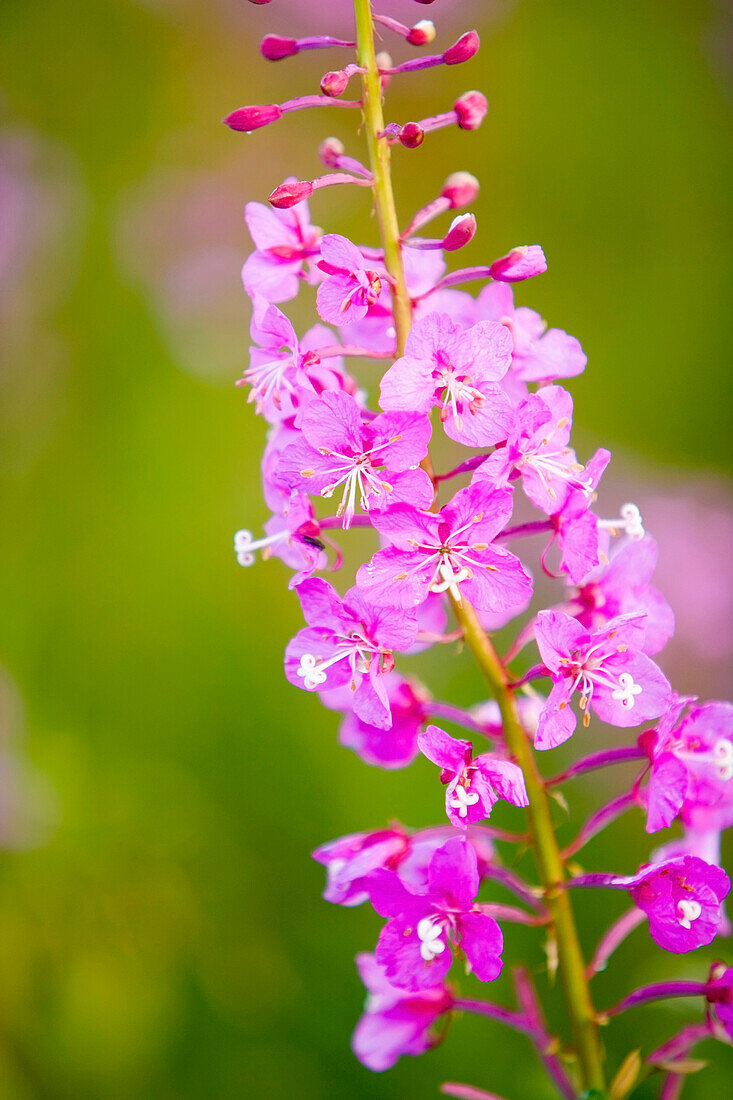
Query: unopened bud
[(412, 135), (460, 189), (268, 1), (330, 150), (471, 109), (334, 83), (274, 47), (462, 50), (422, 34), (462, 230), (252, 118), (521, 263), (290, 194)]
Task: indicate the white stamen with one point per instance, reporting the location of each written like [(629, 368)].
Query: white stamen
[(463, 799), (429, 934), (688, 911), (626, 691)]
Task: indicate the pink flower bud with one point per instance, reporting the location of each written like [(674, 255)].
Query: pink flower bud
[(462, 50), (252, 118), (412, 135), (334, 83), (268, 1), (471, 109), (330, 150), (274, 47), (422, 34), (462, 230), (460, 189), (520, 263), (290, 194)]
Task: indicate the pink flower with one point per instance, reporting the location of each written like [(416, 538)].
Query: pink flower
[(622, 587), (285, 372), (457, 370), (376, 461), (397, 746), (450, 550), (691, 763), (615, 679), (576, 527), (537, 450), (287, 245), (348, 641), (474, 783), (350, 860), (719, 994), (415, 945), (682, 899), (395, 1022), (292, 535), (351, 286)]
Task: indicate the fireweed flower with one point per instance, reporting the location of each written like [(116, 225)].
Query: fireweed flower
[(450, 550), (613, 677), (719, 995), (374, 463), (576, 527), (414, 947), (395, 1022), (458, 372), (474, 783), (292, 535), (393, 748), (352, 284), (348, 641), (691, 762), (287, 247)]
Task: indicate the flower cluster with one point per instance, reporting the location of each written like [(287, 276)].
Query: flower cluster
[(344, 452)]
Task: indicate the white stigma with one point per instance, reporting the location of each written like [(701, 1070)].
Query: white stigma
[(629, 522), (688, 911), (723, 757), (429, 935), (626, 691), (245, 544), (450, 580), (463, 799), (311, 675)]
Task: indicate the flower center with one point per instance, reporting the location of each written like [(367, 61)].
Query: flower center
[(688, 911), (429, 932)]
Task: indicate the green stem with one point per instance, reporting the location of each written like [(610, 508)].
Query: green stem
[(571, 964), (547, 853)]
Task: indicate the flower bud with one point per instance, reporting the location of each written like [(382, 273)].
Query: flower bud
[(334, 83), (268, 1), (247, 119), (462, 50), (462, 230), (460, 189), (521, 263), (274, 47), (471, 109), (422, 34), (330, 150), (290, 194), (412, 135)]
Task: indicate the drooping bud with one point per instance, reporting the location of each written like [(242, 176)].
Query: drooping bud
[(247, 119), (290, 194), (471, 109), (412, 135), (274, 47), (462, 50), (334, 83), (330, 151), (462, 230), (422, 34), (460, 189), (520, 263)]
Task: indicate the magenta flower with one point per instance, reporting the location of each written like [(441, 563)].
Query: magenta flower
[(292, 535), (622, 587), (719, 994), (474, 783), (691, 762), (348, 641), (352, 284), (458, 370), (350, 860), (576, 527), (450, 550), (395, 1022), (537, 450), (286, 247), (285, 372), (615, 679), (376, 461), (397, 746), (415, 945), (539, 354), (682, 899)]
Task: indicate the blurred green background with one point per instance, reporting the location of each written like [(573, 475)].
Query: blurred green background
[(161, 927)]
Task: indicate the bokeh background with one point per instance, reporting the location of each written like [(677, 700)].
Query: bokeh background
[(161, 786)]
